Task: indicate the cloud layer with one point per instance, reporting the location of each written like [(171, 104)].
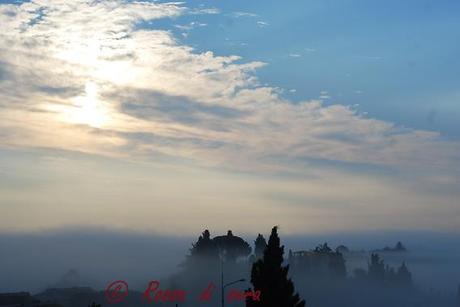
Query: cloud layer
[(95, 74), (97, 77)]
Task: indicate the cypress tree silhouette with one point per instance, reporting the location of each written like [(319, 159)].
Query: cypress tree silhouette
[(269, 276), (403, 276)]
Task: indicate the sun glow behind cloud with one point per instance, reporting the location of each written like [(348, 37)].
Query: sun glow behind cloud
[(88, 109), (84, 76)]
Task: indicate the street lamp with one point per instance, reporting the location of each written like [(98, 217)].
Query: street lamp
[(222, 290)]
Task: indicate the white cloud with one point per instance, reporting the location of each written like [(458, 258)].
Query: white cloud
[(324, 95), (244, 14), (262, 24), (79, 76), (204, 11), (191, 25), (218, 112)]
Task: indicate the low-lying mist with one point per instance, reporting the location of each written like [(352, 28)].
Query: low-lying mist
[(34, 262)]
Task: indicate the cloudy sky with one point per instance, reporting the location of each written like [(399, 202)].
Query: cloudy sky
[(155, 117)]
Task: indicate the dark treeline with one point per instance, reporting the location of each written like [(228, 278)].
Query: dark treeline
[(318, 276), (294, 278)]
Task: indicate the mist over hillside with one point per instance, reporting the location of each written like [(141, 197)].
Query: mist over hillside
[(34, 262)]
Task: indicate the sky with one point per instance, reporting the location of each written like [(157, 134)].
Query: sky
[(168, 118)]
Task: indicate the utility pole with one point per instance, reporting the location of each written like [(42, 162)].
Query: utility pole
[(222, 286)]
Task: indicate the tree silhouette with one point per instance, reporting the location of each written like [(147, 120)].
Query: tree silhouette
[(390, 275), (403, 276), (269, 276), (342, 249), (203, 252), (94, 305), (376, 268), (336, 262), (337, 265), (323, 249), (205, 246), (399, 247), (232, 247), (259, 246)]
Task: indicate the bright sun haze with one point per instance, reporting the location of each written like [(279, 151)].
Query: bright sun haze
[(159, 117)]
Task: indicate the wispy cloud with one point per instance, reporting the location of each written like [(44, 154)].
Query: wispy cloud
[(203, 11), (324, 95), (191, 25), (244, 14), (262, 24)]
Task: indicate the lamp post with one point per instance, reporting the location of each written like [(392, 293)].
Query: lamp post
[(222, 290)]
